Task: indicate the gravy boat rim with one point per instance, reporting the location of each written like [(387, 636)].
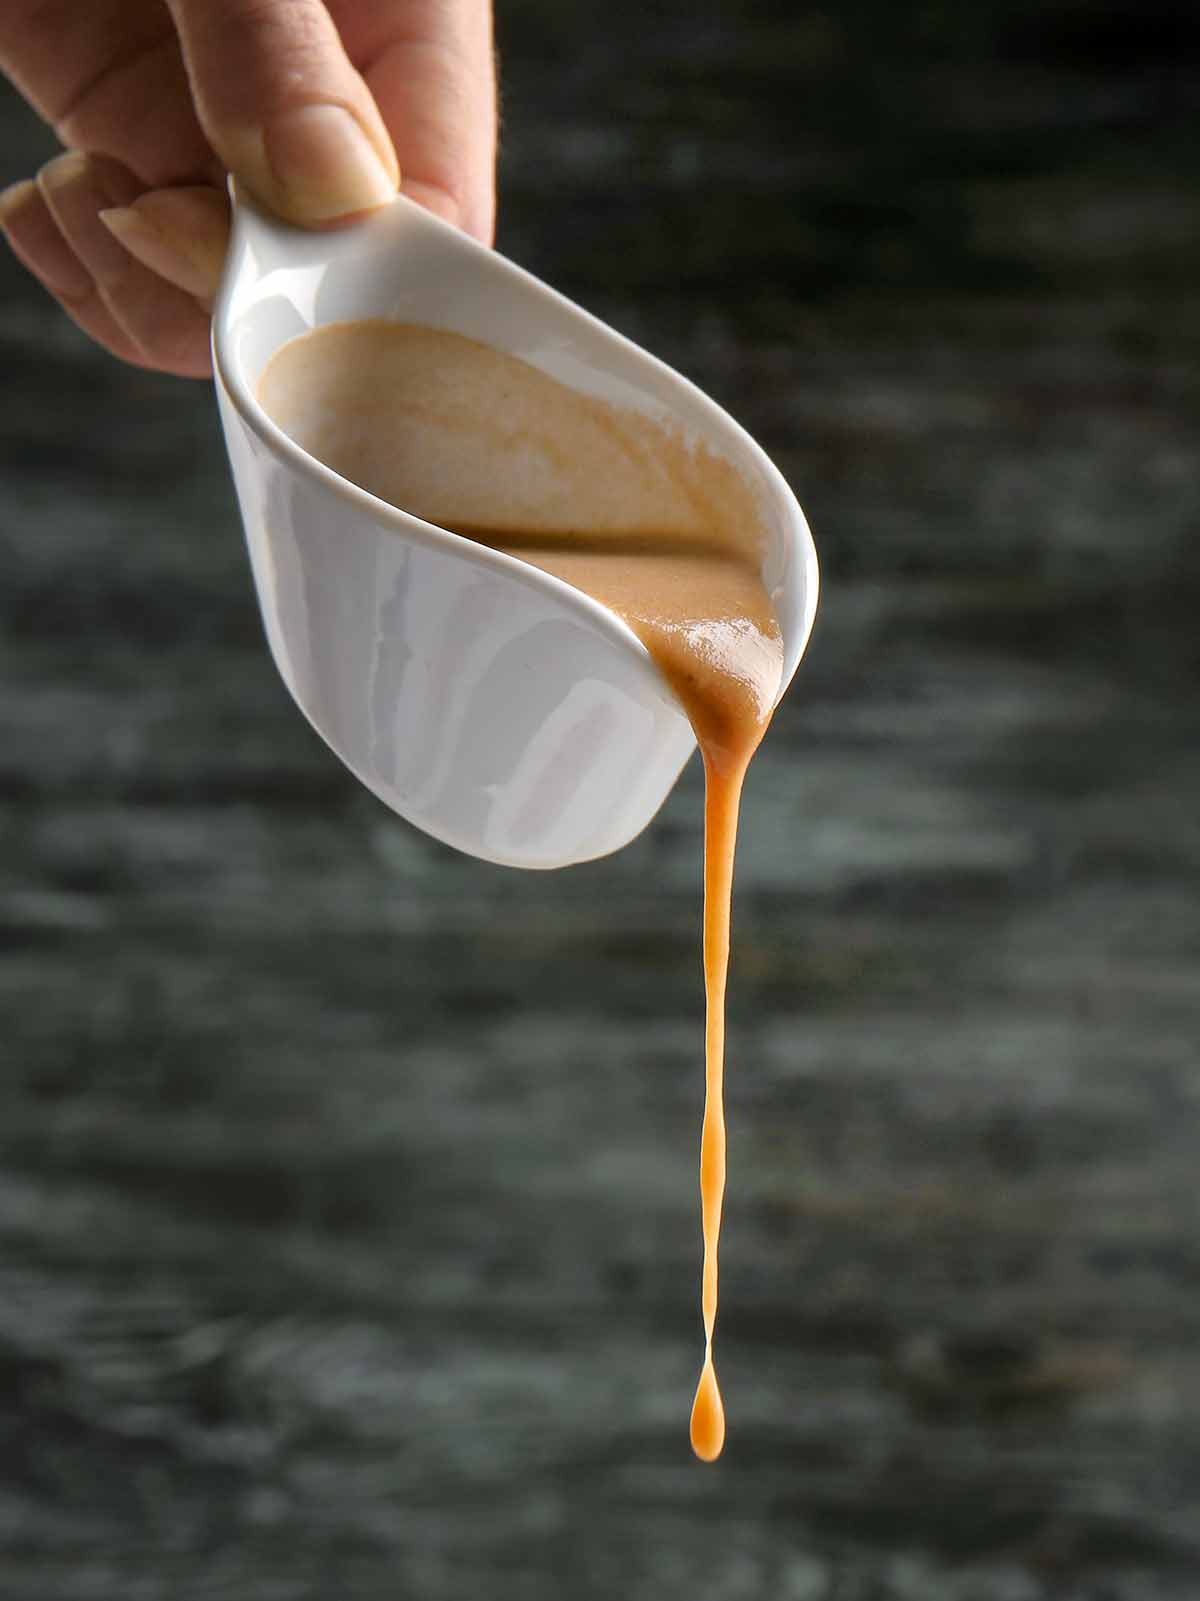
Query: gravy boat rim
[(368, 233)]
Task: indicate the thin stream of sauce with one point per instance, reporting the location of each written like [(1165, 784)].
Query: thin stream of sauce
[(728, 699), (722, 794), (398, 408)]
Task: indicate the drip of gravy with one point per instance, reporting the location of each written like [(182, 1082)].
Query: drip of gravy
[(665, 534)]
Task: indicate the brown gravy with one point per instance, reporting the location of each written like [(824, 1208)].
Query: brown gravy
[(664, 534)]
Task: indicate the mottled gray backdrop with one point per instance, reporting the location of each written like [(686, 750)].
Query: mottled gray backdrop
[(348, 1229)]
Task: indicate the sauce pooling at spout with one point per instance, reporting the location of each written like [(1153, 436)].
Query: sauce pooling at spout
[(665, 535)]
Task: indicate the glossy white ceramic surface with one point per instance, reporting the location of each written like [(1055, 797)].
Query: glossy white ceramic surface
[(491, 705)]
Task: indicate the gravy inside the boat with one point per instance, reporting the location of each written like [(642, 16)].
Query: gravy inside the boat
[(664, 533)]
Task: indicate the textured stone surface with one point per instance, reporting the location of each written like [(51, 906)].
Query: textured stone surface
[(348, 1233)]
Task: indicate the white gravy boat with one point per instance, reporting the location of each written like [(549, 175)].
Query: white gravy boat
[(493, 706)]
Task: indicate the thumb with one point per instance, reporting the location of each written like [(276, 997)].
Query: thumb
[(283, 108)]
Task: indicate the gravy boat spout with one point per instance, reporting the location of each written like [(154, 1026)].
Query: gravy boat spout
[(488, 703)]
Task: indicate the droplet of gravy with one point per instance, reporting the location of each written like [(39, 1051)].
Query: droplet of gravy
[(708, 1415)]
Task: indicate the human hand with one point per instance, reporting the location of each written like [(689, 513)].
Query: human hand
[(320, 109)]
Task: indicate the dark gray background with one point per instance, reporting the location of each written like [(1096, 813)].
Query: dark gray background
[(348, 1229)]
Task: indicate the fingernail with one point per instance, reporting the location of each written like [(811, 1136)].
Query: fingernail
[(65, 169), (15, 197), (324, 166), (178, 236)]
